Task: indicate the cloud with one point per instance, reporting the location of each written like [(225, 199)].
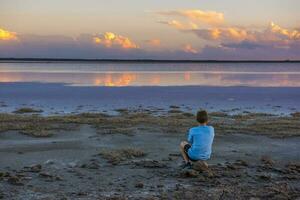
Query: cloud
[(200, 16), (273, 35), (276, 29), (189, 49), (273, 42), (232, 37), (60, 46), (154, 42), (110, 39), (229, 34), (7, 35), (179, 25), (174, 23), (243, 45)]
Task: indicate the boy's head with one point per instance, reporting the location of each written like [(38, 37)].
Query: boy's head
[(202, 117)]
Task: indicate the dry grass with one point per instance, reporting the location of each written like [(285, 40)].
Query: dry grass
[(259, 123), (130, 122), (116, 156)]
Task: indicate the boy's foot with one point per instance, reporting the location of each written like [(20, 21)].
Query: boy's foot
[(187, 165)]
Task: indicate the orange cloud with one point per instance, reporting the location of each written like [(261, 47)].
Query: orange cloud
[(208, 17), (7, 35), (230, 34), (110, 39), (189, 49), (154, 42), (294, 34), (273, 33)]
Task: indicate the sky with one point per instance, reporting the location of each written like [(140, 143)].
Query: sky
[(156, 29)]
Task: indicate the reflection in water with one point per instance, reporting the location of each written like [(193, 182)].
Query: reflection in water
[(110, 80), (148, 78)]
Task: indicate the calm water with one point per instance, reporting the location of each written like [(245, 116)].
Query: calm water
[(154, 74)]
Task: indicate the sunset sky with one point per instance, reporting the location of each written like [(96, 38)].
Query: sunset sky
[(156, 29)]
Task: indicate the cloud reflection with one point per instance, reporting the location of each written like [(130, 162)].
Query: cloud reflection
[(118, 79)]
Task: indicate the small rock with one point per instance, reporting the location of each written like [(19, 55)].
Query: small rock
[(209, 174), (189, 173), (81, 194), (267, 160), (139, 185), (147, 163), (241, 163), (14, 180), (49, 162), (200, 166), (231, 166), (93, 165), (50, 176), (35, 168), (264, 177), (72, 164), (45, 175), (83, 166)]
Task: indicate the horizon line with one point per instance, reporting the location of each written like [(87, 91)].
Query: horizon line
[(3, 60)]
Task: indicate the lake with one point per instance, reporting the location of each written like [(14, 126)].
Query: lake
[(154, 74), (73, 87)]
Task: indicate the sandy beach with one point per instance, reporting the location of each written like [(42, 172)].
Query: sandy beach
[(134, 155)]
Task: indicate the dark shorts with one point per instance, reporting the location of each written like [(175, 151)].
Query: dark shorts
[(186, 150)]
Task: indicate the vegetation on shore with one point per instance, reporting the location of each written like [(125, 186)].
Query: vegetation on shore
[(133, 121), (27, 110)]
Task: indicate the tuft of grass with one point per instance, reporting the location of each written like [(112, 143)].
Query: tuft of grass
[(116, 156), (27, 110)]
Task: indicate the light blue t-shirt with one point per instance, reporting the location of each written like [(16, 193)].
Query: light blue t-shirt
[(201, 139)]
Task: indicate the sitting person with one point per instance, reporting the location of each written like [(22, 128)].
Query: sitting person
[(200, 139)]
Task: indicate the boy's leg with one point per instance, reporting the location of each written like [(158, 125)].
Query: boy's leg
[(185, 157)]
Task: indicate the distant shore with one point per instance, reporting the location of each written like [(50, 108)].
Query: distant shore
[(141, 60)]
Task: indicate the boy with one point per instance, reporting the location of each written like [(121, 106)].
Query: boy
[(200, 139)]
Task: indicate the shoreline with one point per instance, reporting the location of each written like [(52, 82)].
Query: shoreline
[(140, 60)]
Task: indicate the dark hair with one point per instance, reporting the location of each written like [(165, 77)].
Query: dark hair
[(202, 116)]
